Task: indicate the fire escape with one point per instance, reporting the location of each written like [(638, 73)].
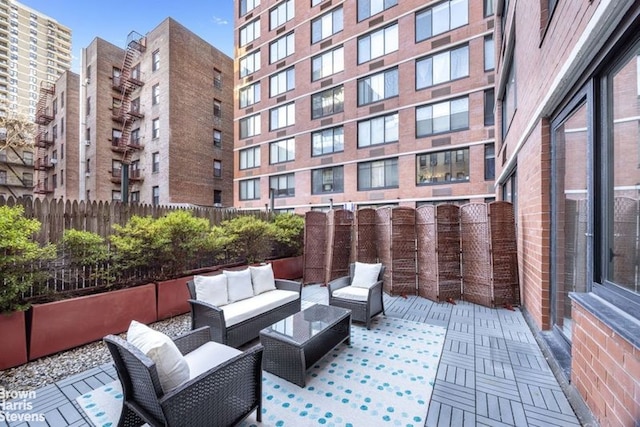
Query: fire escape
[(126, 83), (44, 116)]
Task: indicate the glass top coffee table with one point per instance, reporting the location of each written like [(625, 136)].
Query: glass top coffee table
[(293, 344)]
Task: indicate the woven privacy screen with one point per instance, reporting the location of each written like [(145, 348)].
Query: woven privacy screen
[(396, 237), (625, 242), (364, 247), (504, 251), (438, 242), (315, 246), (339, 224)]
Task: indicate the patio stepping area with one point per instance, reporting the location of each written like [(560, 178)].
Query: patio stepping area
[(491, 373)]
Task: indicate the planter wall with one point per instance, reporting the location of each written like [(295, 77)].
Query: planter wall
[(288, 268), (172, 296), (62, 325), (13, 336)]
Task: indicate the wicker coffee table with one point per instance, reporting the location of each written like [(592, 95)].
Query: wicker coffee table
[(293, 344)]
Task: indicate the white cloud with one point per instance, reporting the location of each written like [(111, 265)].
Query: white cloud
[(220, 21)]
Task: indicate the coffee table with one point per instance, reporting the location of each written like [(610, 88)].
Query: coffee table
[(295, 343)]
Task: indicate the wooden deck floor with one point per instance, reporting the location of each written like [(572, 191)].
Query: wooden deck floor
[(491, 373)]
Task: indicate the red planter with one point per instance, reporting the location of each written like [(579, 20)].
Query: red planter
[(288, 268), (65, 324), (172, 297), (13, 336)]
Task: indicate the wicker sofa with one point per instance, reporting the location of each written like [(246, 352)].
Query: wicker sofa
[(240, 321)]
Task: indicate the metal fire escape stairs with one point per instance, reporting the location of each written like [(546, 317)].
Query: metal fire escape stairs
[(44, 116), (127, 83)]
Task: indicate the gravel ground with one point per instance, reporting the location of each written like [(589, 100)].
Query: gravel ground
[(48, 370)]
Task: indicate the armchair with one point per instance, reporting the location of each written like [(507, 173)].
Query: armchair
[(365, 298), (224, 385)]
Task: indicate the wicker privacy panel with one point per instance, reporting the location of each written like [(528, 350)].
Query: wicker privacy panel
[(364, 246), (438, 240), (625, 240), (315, 246), (396, 237), (476, 257), (339, 224), (504, 251)]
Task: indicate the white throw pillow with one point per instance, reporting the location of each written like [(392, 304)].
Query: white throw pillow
[(212, 289), (262, 279), (171, 365), (365, 275), (238, 284)]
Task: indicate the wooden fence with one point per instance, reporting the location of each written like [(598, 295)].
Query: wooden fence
[(99, 217)]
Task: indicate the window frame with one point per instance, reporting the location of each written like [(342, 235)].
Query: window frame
[(255, 58), (276, 80), (335, 29), (245, 157), (250, 94), (449, 115), (382, 33), (320, 59), (275, 150), (289, 13), (249, 32), (384, 73), (243, 192), (321, 133), (384, 118), (279, 193), (335, 107), (386, 4), (335, 188), (433, 58), (255, 121), (285, 46), (429, 11), (446, 168), (289, 110), (387, 184)]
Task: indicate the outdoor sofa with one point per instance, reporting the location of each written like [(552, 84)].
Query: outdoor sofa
[(236, 305)]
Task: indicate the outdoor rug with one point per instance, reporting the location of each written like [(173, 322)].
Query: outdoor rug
[(384, 377)]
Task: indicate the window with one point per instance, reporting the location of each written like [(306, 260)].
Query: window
[(88, 105), (217, 138), (155, 128), (281, 48), (367, 8), (249, 189), (281, 13), (247, 6), (62, 127), (116, 168), (489, 7), (327, 63), (135, 197), (3, 176), (135, 137), (489, 106), (135, 72), (378, 43), (327, 102), (217, 109), (250, 95), (327, 141), (250, 126), (250, 63), (489, 53), (326, 25), (135, 106), (88, 74), (489, 162), (61, 177), (54, 106), (443, 67), (155, 162), (217, 168), (509, 99), (283, 185), (88, 166), (441, 18), (155, 60), (327, 180), (378, 86), (54, 180), (217, 197), (445, 116), (250, 158), (282, 151), (217, 78), (379, 130), (282, 82), (249, 32), (116, 196), (155, 94), (155, 195), (438, 168), (282, 116), (378, 174), (27, 156), (27, 179)]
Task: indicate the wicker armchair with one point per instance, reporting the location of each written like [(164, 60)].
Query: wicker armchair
[(224, 395), (364, 304)]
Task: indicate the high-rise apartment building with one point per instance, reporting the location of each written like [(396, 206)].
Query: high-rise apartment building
[(34, 51), (363, 103), (156, 114)]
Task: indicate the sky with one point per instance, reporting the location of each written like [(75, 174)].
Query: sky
[(113, 20)]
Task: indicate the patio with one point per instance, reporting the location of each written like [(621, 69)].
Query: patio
[(492, 371)]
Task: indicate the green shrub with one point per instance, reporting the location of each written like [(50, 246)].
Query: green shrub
[(84, 248), (245, 237), (136, 244), (18, 252), (289, 235)]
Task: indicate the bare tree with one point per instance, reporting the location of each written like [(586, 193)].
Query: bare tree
[(16, 130)]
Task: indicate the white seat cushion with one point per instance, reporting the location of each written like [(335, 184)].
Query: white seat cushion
[(171, 365), (239, 284), (212, 289), (208, 356), (240, 311), (353, 293), (365, 275), (262, 279)]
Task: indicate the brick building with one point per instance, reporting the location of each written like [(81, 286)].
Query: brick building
[(157, 114), (568, 109), (363, 103)]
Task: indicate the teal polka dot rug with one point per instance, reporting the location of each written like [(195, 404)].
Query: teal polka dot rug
[(383, 378)]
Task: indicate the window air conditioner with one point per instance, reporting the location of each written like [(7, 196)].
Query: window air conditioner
[(54, 161), (328, 187), (217, 205), (87, 142)]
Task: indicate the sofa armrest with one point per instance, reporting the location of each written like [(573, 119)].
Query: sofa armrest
[(289, 285), (204, 314), (376, 289), (340, 282), (191, 340)]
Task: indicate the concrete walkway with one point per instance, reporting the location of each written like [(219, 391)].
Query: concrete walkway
[(492, 371)]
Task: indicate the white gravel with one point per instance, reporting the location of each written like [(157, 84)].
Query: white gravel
[(50, 369)]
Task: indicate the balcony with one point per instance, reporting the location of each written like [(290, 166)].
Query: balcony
[(41, 188), (135, 112), (44, 116), (135, 175), (116, 175), (44, 164), (44, 140)]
